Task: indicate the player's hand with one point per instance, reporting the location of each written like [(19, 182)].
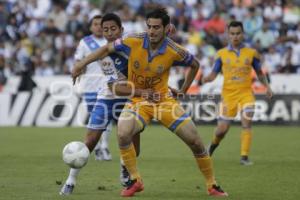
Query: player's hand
[(147, 94), (203, 80), (77, 71), (269, 93), (175, 93), (150, 95)]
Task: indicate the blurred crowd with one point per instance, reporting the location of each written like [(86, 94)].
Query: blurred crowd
[(40, 36)]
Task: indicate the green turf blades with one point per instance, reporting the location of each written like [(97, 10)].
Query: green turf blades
[(31, 166)]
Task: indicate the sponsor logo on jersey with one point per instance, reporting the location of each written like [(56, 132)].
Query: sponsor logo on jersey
[(160, 69), (145, 81)]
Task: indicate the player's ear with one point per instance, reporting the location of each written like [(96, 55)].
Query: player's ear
[(167, 29), (172, 29)]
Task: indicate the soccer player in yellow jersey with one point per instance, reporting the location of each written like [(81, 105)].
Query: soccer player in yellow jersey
[(150, 57), (236, 62)]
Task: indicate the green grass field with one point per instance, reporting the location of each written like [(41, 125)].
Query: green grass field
[(31, 167)]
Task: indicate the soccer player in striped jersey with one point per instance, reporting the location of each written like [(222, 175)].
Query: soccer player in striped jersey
[(107, 106), (93, 79), (150, 57), (236, 62)]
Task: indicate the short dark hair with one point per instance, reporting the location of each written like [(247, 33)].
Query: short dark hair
[(112, 17), (95, 17), (159, 13), (236, 24)]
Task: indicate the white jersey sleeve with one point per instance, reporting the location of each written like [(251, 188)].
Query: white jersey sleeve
[(81, 51), (93, 78)]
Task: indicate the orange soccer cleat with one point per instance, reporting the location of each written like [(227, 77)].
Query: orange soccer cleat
[(216, 191), (136, 186)]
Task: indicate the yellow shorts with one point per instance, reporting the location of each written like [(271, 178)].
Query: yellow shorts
[(232, 103), (169, 112)]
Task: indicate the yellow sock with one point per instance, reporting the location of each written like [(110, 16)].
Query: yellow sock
[(246, 137), (216, 139), (129, 158), (206, 167)]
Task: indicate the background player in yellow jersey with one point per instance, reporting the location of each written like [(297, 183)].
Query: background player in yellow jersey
[(150, 57), (236, 62)]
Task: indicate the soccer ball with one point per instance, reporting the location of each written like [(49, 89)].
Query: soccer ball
[(76, 154)]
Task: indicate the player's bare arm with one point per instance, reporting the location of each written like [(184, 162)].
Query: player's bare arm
[(101, 53), (263, 79), (211, 77)]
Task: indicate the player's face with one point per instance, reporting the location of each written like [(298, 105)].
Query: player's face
[(236, 35), (155, 30), (96, 27), (111, 31)]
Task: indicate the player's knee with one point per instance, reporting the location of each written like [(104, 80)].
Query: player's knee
[(197, 146), (198, 149), (124, 137)]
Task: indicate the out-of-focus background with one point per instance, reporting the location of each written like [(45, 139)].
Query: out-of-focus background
[(37, 43), (38, 39)]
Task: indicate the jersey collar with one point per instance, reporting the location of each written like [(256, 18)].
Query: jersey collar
[(230, 48), (162, 48)]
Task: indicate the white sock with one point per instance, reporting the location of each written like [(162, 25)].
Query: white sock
[(72, 176), (104, 141), (98, 145)]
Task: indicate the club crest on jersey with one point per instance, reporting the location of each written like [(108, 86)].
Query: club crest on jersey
[(247, 61), (160, 69), (227, 61), (93, 46), (136, 64)]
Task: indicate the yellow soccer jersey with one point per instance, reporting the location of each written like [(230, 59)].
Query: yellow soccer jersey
[(236, 67), (148, 70)]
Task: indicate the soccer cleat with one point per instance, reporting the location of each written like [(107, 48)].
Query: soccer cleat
[(216, 191), (212, 148), (125, 177), (245, 161), (98, 154), (66, 189), (136, 186), (106, 155)]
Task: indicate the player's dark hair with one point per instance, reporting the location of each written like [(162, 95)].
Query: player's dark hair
[(236, 24), (112, 17), (159, 13), (95, 17)]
